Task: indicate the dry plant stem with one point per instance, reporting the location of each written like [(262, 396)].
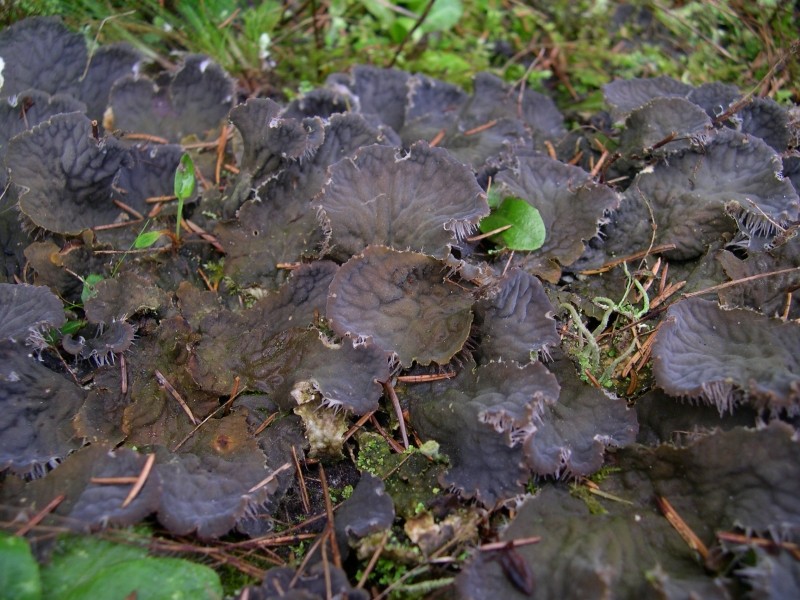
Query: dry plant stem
[(37, 518), (480, 128), (123, 375), (113, 480), (146, 138), (234, 394), (337, 557), (389, 440), (425, 378), (221, 143), (373, 560), (642, 352), (358, 425), (303, 488), (689, 536), (669, 291), (160, 199), (738, 538), (510, 544), (787, 306), (592, 379), (189, 226), (437, 139), (204, 277), (304, 563), (129, 209), (267, 422), (162, 382), (389, 388), (599, 164), (476, 238), (116, 226), (396, 467), (629, 258), (137, 487), (722, 286), (273, 475), (411, 31), (326, 571)]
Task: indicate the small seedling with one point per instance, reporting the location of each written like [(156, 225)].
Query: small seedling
[(146, 239), (89, 283), (184, 187)]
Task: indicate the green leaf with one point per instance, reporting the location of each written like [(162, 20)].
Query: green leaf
[(72, 326), (184, 177), (84, 567), (89, 284), (145, 240), (19, 573), (184, 186), (444, 15), (527, 230)]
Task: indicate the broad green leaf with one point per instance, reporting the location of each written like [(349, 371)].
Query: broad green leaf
[(145, 240), (89, 284), (527, 230), (19, 573), (85, 567)]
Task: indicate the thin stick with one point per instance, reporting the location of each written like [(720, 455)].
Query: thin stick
[(599, 165), (267, 422), (387, 386), (37, 518), (389, 439), (303, 488), (437, 139), (228, 402), (223, 140), (203, 234), (270, 477), (162, 382), (129, 209), (123, 374), (146, 137), (116, 225), (722, 286), (114, 480), (425, 378), (160, 199), (669, 291), (205, 279), (337, 557), (358, 425), (689, 536), (481, 128), (304, 563), (373, 560), (629, 258), (411, 31), (476, 238), (326, 569), (738, 538), (510, 543), (137, 487)]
